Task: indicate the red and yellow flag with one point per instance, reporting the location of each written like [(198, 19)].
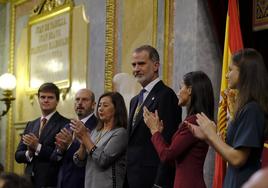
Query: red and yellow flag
[(233, 42)]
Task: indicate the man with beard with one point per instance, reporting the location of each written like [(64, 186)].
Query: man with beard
[(70, 175), (143, 165)]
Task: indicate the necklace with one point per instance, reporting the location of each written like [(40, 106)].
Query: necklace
[(100, 135)]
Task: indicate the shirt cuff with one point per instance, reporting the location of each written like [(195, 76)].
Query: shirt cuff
[(27, 154), (38, 149)]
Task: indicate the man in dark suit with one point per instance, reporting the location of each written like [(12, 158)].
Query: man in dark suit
[(143, 165), (70, 175), (37, 142)]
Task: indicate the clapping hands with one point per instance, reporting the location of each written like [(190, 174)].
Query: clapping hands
[(79, 129), (31, 141), (63, 139), (206, 127), (152, 121)]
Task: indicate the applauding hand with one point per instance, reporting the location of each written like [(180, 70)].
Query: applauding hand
[(206, 128), (80, 130), (63, 139), (31, 141), (152, 121)]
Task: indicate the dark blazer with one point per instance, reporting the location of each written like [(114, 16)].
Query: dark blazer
[(41, 169), (143, 165), (70, 175)]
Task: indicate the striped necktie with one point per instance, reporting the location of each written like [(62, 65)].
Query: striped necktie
[(42, 125)]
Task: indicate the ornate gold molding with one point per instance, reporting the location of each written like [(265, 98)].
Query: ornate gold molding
[(155, 23), (168, 42), (57, 8), (260, 15), (47, 6), (9, 129), (110, 42)]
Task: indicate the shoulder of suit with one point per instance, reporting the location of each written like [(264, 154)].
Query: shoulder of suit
[(35, 120), (162, 88), (61, 117)]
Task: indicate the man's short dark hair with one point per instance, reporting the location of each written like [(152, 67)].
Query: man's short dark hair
[(51, 88), (153, 54)]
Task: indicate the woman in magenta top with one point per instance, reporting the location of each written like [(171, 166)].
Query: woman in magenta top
[(189, 153)]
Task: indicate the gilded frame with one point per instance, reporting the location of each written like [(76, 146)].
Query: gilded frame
[(65, 82), (259, 16)]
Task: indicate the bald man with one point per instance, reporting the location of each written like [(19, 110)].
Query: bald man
[(71, 175), (258, 180)]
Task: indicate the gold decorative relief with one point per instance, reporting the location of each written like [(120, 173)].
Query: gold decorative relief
[(46, 6), (110, 43), (260, 15)]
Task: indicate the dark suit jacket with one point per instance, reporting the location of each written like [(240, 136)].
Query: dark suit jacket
[(70, 175), (42, 170), (143, 164)]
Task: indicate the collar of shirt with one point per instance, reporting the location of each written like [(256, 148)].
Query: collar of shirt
[(84, 120), (149, 87), (48, 116)]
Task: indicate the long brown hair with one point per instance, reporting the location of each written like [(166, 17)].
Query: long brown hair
[(252, 81)]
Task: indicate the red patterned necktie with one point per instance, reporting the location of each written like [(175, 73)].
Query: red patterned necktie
[(42, 125)]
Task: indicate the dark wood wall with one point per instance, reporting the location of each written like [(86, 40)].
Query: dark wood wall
[(251, 39)]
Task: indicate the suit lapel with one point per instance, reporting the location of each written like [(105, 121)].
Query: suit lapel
[(133, 107), (36, 127), (91, 122)]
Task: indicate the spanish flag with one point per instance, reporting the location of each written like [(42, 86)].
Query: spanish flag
[(233, 42)]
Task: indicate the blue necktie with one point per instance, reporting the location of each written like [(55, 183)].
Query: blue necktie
[(140, 97), (140, 101)]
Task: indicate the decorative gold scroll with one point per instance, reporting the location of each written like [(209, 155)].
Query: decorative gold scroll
[(110, 43)]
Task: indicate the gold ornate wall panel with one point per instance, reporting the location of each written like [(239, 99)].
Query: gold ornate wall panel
[(168, 42), (139, 24), (49, 47), (26, 108)]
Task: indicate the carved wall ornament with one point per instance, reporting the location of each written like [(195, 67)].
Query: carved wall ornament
[(49, 5)]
